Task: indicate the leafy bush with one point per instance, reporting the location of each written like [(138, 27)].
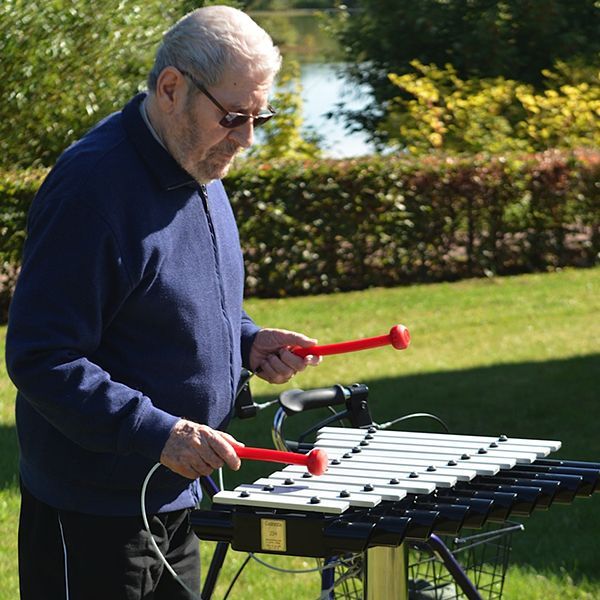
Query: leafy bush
[(324, 226), (66, 63), (514, 39), (436, 110), (16, 192), (343, 225)]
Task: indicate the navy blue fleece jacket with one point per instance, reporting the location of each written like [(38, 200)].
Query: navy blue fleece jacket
[(127, 316)]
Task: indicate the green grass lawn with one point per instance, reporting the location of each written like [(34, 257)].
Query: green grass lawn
[(517, 355)]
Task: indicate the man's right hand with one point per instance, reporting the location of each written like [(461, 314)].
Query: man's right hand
[(193, 450)]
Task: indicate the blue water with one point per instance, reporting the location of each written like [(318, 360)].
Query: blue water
[(301, 38), (322, 89)]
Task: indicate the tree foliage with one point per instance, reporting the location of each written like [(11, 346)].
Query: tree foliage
[(437, 110), (514, 39), (69, 63), (65, 64)]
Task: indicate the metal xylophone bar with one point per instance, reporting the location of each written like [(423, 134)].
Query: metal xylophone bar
[(382, 487), (383, 449)]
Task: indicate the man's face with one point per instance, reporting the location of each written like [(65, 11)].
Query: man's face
[(203, 147)]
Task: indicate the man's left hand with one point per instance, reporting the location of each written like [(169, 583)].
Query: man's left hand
[(271, 359)]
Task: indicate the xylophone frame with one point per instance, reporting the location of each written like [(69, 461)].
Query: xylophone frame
[(376, 541), (379, 561)]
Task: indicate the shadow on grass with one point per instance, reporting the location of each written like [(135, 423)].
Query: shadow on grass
[(557, 399)]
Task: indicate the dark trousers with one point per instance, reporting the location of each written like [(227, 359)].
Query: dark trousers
[(66, 555)]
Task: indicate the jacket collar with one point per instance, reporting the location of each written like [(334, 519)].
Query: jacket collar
[(166, 169)]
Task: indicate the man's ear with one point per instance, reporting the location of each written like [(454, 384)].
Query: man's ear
[(171, 90)]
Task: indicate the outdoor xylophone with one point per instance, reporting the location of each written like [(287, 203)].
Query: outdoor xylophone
[(382, 487), (368, 490)]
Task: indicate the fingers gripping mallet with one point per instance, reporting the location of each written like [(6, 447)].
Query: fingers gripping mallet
[(398, 337), (315, 461)]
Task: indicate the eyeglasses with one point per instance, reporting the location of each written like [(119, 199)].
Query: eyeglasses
[(233, 119)]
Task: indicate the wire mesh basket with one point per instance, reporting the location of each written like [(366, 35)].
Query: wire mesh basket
[(483, 556)]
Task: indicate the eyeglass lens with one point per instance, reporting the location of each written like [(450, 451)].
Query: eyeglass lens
[(231, 120)]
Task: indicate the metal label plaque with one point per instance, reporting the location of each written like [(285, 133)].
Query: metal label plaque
[(273, 535)]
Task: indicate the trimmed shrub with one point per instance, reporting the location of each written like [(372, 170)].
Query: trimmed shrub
[(337, 225), (330, 226), (17, 189)]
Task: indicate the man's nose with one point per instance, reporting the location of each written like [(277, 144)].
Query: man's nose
[(244, 134)]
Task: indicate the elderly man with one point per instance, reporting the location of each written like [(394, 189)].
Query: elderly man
[(127, 334)]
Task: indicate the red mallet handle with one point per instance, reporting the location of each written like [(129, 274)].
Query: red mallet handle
[(315, 461), (398, 337)]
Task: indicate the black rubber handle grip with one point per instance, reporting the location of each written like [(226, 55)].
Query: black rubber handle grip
[(297, 401)]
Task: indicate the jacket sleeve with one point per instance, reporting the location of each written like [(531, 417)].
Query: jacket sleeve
[(248, 332), (72, 282)]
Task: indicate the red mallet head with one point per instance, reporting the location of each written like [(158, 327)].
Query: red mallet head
[(316, 461), (400, 337)]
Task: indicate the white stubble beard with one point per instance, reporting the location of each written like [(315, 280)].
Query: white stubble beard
[(207, 168)]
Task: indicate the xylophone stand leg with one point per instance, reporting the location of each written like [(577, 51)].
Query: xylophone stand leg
[(214, 569), (386, 573)]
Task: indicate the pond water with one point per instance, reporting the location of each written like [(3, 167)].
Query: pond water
[(301, 37), (322, 89)]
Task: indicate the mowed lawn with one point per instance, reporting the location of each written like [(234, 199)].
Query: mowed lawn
[(516, 355)]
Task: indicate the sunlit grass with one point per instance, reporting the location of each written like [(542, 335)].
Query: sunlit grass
[(517, 355)]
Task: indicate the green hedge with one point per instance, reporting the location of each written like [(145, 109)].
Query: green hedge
[(324, 226), (16, 191), (345, 225)]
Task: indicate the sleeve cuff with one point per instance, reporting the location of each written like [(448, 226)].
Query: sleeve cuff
[(249, 331), (152, 433)]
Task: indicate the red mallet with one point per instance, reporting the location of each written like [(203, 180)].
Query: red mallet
[(398, 337), (315, 461)]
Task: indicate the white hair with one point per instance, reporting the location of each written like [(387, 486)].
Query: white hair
[(212, 40)]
